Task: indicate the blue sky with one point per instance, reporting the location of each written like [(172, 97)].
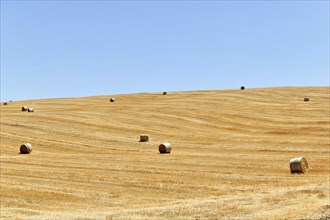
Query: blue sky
[(52, 49)]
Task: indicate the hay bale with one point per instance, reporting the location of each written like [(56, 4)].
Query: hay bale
[(30, 110), (24, 109), (26, 148), (112, 100), (144, 138), (298, 165), (242, 87), (5, 103), (164, 93), (306, 99), (165, 148)]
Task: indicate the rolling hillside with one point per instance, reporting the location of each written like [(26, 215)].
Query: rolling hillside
[(230, 156)]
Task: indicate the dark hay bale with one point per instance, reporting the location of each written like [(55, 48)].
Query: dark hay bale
[(298, 165), (112, 100), (165, 148), (24, 109), (26, 148), (144, 138), (242, 87), (5, 103), (30, 110), (164, 93), (306, 99)]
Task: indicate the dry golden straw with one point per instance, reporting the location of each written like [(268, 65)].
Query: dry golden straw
[(298, 165), (30, 110), (165, 148), (144, 138), (26, 148)]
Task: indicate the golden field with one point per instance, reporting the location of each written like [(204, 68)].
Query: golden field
[(230, 156)]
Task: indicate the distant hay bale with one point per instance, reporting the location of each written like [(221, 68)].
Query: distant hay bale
[(165, 148), (5, 103), (24, 109), (10, 100), (112, 100), (306, 99), (164, 93), (30, 110), (298, 165), (242, 87), (144, 138), (26, 148)]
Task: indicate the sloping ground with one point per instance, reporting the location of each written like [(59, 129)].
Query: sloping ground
[(230, 156)]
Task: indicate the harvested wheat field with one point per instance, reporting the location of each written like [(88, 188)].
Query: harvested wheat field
[(230, 156)]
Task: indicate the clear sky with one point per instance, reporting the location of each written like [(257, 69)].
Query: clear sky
[(53, 49)]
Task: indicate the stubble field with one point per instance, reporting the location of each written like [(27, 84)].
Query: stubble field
[(230, 156)]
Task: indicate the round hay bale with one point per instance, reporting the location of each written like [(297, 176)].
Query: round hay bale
[(30, 110), (24, 109), (144, 138), (242, 87), (112, 100), (5, 103), (164, 93), (165, 148), (26, 148), (298, 165), (306, 99)]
